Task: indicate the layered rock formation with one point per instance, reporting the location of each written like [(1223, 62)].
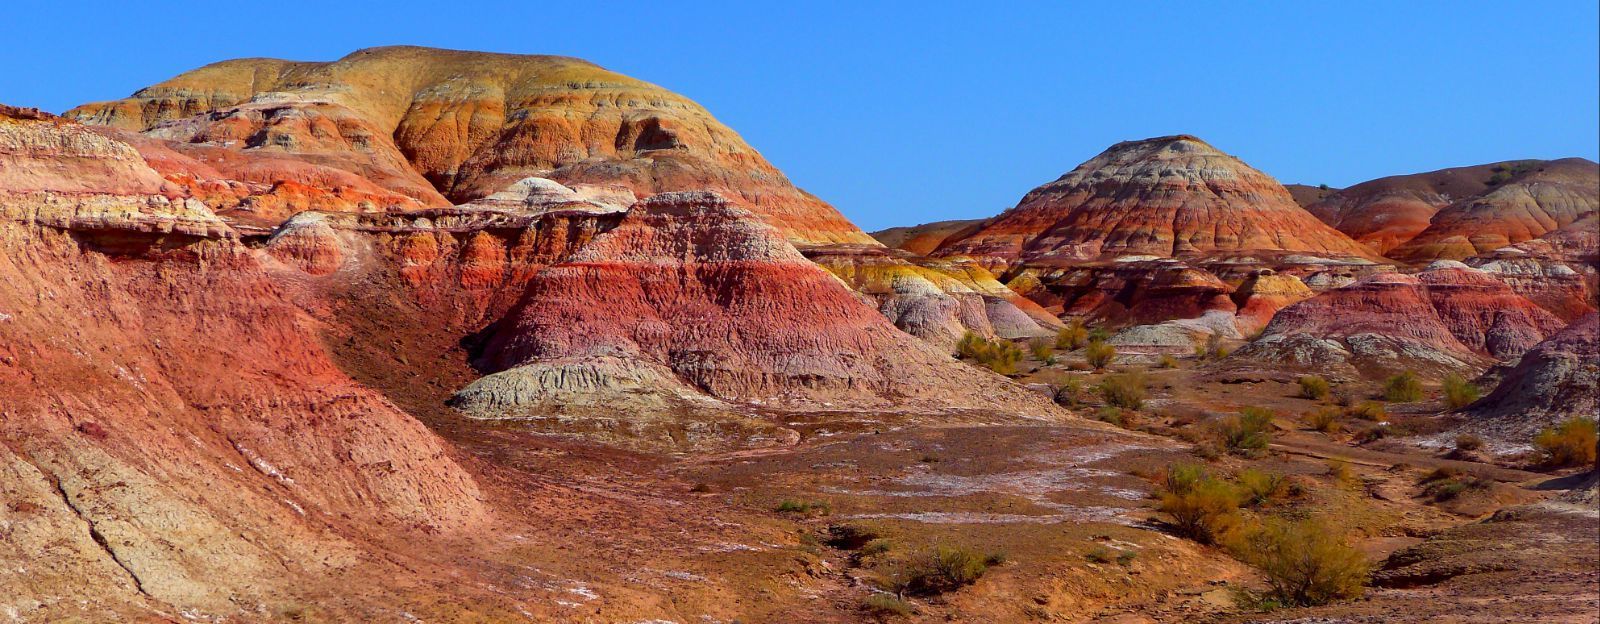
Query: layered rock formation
[(1386, 212), (441, 125), (1535, 198), (1554, 381), (1169, 196), (924, 239), (690, 301), (1450, 318), (1559, 270)]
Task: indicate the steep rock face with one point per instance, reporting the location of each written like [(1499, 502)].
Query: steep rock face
[(1447, 319), (1554, 381), (937, 300), (1169, 196), (691, 298), (924, 239), (435, 124), (1263, 294), (138, 469), (1537, 198), (1386, 212)]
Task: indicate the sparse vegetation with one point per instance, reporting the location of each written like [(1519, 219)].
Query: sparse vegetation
[(700, 488), (1305, 561), (1257, 487), (1042, 350), (1447, 483), (1247, 433), (1124, 390), (1402, 388), (1069, 392), (1203, 508), (1325, 420), (1339, 471), (1099, 354), (1099, 554), (1369, 410), (804, 507), (1314, 387), (1000, 356), (1467, 443), (1571, 443), (945, 568), (882, 605), (1458, 392), (1073, 336), (1212, 349), (1167, 361)]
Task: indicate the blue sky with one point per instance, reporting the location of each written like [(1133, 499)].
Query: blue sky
[(906, 113)]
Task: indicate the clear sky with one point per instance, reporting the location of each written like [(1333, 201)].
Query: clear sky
[(914, 112)]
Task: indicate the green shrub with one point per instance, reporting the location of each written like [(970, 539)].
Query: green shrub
[(1099, 334), (1073, 336), (1069, 393), (1325, 420), (1099, 554), (885, 605), (1042, 350), (1099, 354), (1111, 414), (1571, 443), (1403, 388), (1314, 387), (1000, 356), (1305, 562), (1258, 487), (1247, 433), (1459, 393), (1126, 557), (1125, 390), (876, 546)]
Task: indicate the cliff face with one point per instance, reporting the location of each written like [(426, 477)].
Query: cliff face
[(1169, 196), (441, 126)]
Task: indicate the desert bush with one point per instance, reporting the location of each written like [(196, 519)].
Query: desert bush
[(1112, 414), (1125, 390), (1447, 482), (1206, 510), (1305, 562), (1402, 388), (1247, 433), (1181, 478), (1167, 361), (1467, 442), (1372, 434), (1000, 356), (1069, 393), (1459, 393), (1368, 410), (1099, 354), (945, 568), (850, 536), (1042, 350), (1257, 487), (1126, 557), (885, 605), (1325, 420), (1099, 554), (1212, 349), (1073, 336), (803, 507), (1571, 443), (1314, 387), (1339, 471), (1099, 334), (876, 546)]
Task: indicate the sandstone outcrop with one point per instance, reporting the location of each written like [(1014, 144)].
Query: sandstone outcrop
[(1169, 196), (1450, 318), (1554, 381)]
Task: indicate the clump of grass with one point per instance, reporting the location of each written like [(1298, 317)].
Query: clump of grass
[(1339, 471), (945, 568), (1314, 387), (883, 605), (1306, 562), (1571, 443), (1467, 443), (1069, 393), (1459, 393), (1212, 349), (1167, 361), (1257, 487), (1126, 557), (1403, 388), (1247, 433), (1447, 483), (1325, 420), (1073, 336), (1000, 356), (876, 546), (1114, 415), (1099, 354), (1099, 554), (1125, 390)]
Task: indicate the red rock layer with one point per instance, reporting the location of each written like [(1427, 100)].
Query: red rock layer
[(691, 286), (1169, 196), (1560, 271), (1554, 381), (1538, 198), (924, 239), (1386, 212), (425, 122), (1121, 294), (1442, 320)]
